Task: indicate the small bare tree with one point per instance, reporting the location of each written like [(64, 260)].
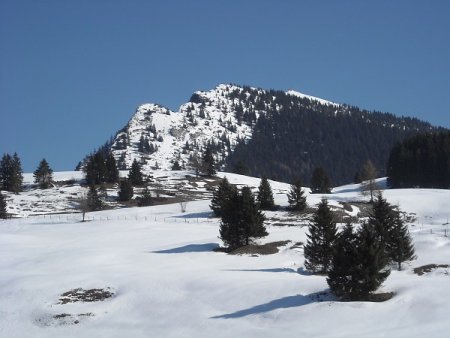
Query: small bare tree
[(369, 186), (83, 204)]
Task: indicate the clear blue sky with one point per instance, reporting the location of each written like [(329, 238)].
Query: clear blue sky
[(73, 72)]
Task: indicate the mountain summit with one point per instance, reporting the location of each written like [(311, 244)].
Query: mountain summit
[(268, 132)]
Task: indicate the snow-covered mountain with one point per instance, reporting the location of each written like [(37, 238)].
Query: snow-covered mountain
[(296, 132)]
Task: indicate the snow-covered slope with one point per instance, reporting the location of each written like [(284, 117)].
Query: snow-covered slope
[(166, 281)]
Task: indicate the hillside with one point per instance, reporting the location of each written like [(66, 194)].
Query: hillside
[(257, 131), (152, 271)]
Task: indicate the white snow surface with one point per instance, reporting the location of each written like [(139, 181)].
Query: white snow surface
[(167, 281)]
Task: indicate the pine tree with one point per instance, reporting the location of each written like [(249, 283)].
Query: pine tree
[(6, 170), (95, 169), (176, 165), (94, 202), (241, 220), (320, 183), (126, 190), (400, 246), (372, 263), (319, 248), (296, 197), (265, 196), (3, 212), (231, 231), (112, 173), (252, 218), (221, 195), (382, 219), (43, 175), (146, 198), (344, 264), (135, 174), (208, 167)]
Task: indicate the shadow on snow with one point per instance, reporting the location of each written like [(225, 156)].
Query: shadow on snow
[(206, 247), (282, 303), (195, 215)]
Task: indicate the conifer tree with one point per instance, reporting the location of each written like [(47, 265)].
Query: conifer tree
[(400, 246), (209, 163), (241, 220), (94, 202), (176, 165), (296, 197), (265, 196), (3, 212), (382, 220), (231, 231), (126, 190), (372, 263), (43, 175), (146, 198), (344, 264), (112, 173), (11, 173), (221, 195), (320, 183), (252, 218), (319, 248), (135, 174)]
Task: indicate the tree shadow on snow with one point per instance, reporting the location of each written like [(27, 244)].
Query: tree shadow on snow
[(206, 247), (300, 271), (282, 303), (195, 215)]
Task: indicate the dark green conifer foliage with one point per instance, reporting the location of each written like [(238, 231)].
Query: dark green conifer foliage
[(221, 195), (319, 248), (209, 165), (296, 197), (43, 175), (11, 173), (265, 196), (3, 212), (135, 174), (382, 220), (400, 246), (320, 183), (241, 220), (112, 173), (126, 190), (344, 264), (252, 218), (95, 169), (94, 203), (176, 166), (372, 263), (146, 198)]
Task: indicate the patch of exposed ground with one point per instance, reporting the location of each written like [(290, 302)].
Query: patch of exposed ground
[(421, 270), (81, 295)]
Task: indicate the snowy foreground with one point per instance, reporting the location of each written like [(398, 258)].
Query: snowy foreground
[(167, 282)]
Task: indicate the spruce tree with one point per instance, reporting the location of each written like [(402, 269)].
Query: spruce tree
[(176, 166), (94, 202), (320, 183), (221, 195), (231, 231), (135, 174), (3, 212), (126, 190), (241, 220), (6, 170), (265, 196), (209, 163), (372, 263), (146, 198), (112, 173), (252, 218), (400, 247), (344, 264), (296, 197), (319, 248), (43, 175), (382, 219)]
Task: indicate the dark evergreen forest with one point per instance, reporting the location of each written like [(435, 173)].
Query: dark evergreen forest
[(421, 161), (294, 135)]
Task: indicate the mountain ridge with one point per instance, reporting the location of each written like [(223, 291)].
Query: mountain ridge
[(229, 116)]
